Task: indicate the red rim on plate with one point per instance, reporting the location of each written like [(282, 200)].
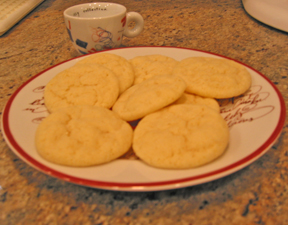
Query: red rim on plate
[(149, 186)]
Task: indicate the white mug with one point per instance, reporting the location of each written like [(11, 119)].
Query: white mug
[(100, 25)]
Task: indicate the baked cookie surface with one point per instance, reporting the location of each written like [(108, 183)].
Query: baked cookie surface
[(181, 136), (149, 66), (198, 100), (83, 136), (149, 96), (118, 64), (213, 77), (82, 85)]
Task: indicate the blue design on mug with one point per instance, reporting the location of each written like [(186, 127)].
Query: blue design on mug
[(70, 35), (82, 44)]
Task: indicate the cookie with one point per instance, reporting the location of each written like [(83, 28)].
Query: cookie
[(213, 77), (181, 136), (198, 100), (83, 136), (149, 66), (82, 85), (148, 96), (118, 64)]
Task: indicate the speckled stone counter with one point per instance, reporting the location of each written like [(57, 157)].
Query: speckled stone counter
[(257, 194)]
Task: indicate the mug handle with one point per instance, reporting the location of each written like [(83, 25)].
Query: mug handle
[(139, 24)]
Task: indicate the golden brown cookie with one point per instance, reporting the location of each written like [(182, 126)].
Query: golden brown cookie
[(149, 66), (213, 77), (149, 96), (118, 64), (82, 85), (181, 136), (83, 136)]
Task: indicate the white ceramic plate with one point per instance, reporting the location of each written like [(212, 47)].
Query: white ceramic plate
[(255, 119)]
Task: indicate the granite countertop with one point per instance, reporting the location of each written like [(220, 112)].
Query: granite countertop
[(257, 194)]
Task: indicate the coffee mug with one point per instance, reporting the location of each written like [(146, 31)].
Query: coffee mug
[(98, 26)]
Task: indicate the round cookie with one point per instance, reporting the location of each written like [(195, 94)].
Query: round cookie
[(82, 85), (83, 136), (181, 136), (118, 64), (149, 66), (198, 100), (149, 96), (213, 77)]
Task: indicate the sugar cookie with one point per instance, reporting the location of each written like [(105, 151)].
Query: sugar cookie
[(181, 136), (118, 64), (82, 85), (213, 77), (149, 66), (187, 98), (83, 136), (149, 96)]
